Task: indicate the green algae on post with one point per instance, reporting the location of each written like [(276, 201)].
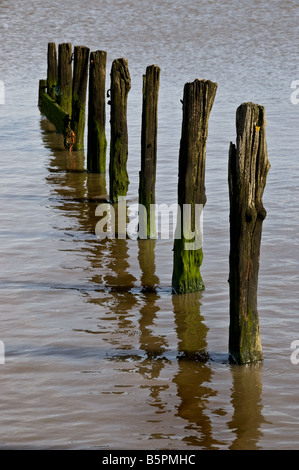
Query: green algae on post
[(248, 168), (80, 75), (147, 175), (197, 105), (57, 116), (120, 87), (96, 138)]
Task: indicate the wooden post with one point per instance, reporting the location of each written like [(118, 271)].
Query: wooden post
[(96, 140), (197, 104), (52, 70), (147, 175), (80, 76), (42, 89), (120, 87), (64, 92), (248, 168), (53, 112)]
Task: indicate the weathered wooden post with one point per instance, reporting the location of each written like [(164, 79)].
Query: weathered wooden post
[(80, 76), (42, 89), (120, 87), (49, 108), (149, 129), (65, 74), (52, 70), (248, 168), (96, 137), (187, 258)]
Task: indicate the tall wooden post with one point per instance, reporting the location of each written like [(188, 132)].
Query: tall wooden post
[(80, 76), (120, 87), (248, 168), (96, 139), (149, 129), (187, 257), (52, 70), (64, 98)]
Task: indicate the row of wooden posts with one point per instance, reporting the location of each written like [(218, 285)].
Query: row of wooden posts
[(62, 98)]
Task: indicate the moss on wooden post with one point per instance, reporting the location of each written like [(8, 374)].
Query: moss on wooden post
[(197, 104), (120, 87), (96, 139), (149, 129), (52, 70), (52, 111), (64, 88), (80, 76), (248, 168)]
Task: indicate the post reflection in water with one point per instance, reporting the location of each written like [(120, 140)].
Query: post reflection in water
[(111, 267), (75, 191), (110, 261), (194, 374), (129, 308), (153, 344), (247, 405)]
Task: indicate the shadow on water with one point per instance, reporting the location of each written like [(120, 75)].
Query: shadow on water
[(129, 297)]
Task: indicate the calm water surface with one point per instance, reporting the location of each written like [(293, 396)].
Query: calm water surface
[(98, 350)]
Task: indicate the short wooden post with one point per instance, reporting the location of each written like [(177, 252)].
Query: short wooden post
[(248, 168), (80, 76), (120, 87), (42, 89), (53, 112), (52, 70), (187, 258), (149, 129), (64, 92), (96, 138)]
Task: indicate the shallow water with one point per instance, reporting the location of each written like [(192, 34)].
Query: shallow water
[(97, 349)]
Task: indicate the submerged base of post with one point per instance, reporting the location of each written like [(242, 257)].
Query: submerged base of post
[(186, 271)]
